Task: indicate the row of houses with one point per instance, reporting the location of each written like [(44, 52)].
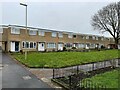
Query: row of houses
[(15, 38)]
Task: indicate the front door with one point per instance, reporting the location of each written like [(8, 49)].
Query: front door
[(41, 46), (14, 46), (60, 46)]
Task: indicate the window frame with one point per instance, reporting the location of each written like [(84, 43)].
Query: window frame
[(41, 33), (51, 45), (16, 30), (54, 34), (60, 35), (70, 35), (1, 30), (27, 44), (33, 32)]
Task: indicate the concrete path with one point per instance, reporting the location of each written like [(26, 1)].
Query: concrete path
[(16, 76)]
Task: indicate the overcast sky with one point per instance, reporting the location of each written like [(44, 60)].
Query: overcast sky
[(65, 16)]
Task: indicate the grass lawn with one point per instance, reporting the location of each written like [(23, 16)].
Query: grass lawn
[(64, 59), (110, 79)]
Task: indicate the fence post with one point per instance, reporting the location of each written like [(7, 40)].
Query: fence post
[(53, 73), (93, 67), (77, 69), (104, 64), (69, 82)]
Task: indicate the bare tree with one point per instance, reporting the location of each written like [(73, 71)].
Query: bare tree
[(108, 20)]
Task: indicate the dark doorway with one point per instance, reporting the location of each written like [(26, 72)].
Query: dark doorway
[(5, 46), (16, 46)]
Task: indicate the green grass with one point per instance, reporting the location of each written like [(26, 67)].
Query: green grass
[(64, 59), (108, 79)]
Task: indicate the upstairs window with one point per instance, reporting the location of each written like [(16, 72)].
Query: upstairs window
[(41, 33), (70, 35), (87, 37), (1, 30), (102, 38), (93, 37), (15, 30), (96, 38), (32, 32), (83, 37), (54, 34), (60, 35)]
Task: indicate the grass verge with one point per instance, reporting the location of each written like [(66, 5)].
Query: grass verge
[(64, 59)]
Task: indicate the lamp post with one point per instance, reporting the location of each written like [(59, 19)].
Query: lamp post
[(25, 5)]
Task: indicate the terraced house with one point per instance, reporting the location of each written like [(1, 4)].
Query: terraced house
[(15, 38)]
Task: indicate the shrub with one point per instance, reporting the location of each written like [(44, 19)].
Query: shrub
[(73, 47), (64, 49), (102, 47)]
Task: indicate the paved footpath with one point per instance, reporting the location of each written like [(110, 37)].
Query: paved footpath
[(16, 76)]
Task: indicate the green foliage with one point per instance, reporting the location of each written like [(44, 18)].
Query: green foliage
[(108, 79), (64, 59)]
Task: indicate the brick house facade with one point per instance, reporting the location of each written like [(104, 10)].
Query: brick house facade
[(15, 38)]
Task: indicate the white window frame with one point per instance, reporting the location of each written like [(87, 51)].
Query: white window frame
[(70, 35), (68, 45), (32, 44), (1, 30), (83, 37), (93, 37), (41, 33), (32, 32), (81, 45), (54, 34), (96, 38), (87, 37), (60, 35), (25, 46), (92, 45), (15, 30), (51, 45), (102, 38)]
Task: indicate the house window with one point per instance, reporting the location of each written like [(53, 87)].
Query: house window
[(32, 32), (93, 37), (87, 44), (96, 38), (31, 44), (54, 34), (34, 45), (41, 33), (15, 30), (60, 35), (92, 45), (74, 36), (102, 38), (81, 45), (1, 30), (28, 44), (23, 44), (51, 45), (70, 35), (87, 37), (82, 37), (68, 45)]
